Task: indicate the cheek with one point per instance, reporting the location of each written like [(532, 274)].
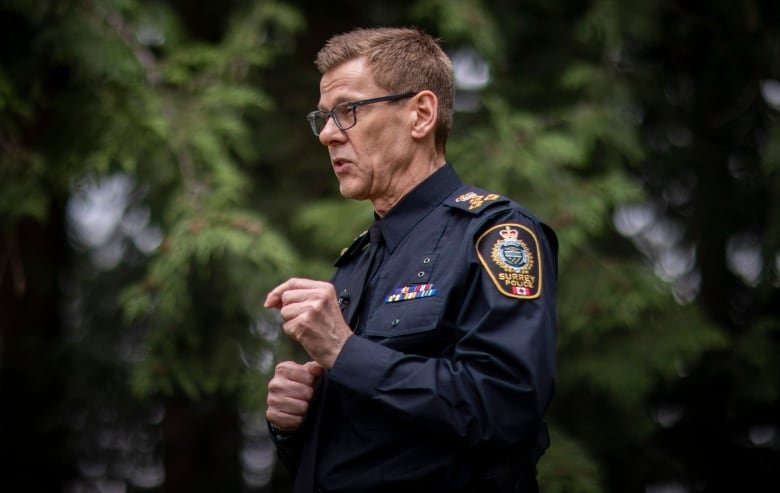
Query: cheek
[(368, 155), (367, 148)]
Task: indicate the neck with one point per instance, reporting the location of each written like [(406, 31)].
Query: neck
[(406, 183)]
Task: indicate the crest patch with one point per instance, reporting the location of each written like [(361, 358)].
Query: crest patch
[(509, 253)]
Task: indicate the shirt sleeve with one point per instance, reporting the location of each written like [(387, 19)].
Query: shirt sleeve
[(496, 385), (288, 446)]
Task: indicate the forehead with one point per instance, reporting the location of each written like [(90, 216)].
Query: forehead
[(349, 80)]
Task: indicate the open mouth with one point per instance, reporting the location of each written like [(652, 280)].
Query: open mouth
[(339, 164)]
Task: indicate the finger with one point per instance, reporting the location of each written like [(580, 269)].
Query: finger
[(300, 295), (288, 405), (294, 310), (293, 328), (314, 368), (284, 421), (300, 301), (281, 389), (292, 371), (274, 297), (272, 302)]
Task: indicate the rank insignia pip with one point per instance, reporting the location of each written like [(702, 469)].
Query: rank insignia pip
[(510, 254), (476, 200)]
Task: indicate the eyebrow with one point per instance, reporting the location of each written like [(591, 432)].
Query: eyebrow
[(322, 108), (339, 100)]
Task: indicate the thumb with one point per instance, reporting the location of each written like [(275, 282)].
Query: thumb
[(273, 300), (314, 368)]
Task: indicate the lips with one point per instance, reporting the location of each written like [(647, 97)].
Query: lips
[(339, 164)]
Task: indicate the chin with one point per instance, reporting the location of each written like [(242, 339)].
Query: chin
[(353, 193)]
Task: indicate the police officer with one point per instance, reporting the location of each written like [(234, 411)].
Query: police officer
[(432, 347)]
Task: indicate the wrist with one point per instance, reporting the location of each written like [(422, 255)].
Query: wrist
[(334, 353), (279, 435)]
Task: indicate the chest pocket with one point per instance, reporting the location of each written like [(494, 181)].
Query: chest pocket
[(412, 300)]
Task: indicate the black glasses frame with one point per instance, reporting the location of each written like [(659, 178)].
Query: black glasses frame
[(318, 118)]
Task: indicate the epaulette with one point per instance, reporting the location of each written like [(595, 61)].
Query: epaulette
[(474, 200), (358, 244)]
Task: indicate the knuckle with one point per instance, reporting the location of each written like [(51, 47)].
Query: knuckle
[(273, 397), (308, 316), (318, 304)]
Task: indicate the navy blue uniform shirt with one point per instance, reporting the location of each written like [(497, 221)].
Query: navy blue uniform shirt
[(445, 384)]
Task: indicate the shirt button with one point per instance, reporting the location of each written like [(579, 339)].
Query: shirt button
[(395, 322), (420, 274), (427, 260)]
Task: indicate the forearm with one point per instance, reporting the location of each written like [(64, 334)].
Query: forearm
[(472, 400)]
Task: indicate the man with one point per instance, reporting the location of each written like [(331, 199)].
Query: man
[(433, 345)]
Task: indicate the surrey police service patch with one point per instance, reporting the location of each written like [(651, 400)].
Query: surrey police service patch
[(510, 254)]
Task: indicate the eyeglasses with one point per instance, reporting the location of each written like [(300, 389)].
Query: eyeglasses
[(344, 114)]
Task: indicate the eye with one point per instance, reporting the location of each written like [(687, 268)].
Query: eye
[(343, 112), (320, 118)]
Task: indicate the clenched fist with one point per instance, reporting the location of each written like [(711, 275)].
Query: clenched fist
[(289, 393), (312, 317)]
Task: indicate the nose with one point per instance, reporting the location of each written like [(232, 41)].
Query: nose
[(331, 133)]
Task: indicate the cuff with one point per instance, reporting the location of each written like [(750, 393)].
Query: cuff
[(361, 365), (277, 435)]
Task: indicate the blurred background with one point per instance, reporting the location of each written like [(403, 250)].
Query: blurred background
[(157, 177)]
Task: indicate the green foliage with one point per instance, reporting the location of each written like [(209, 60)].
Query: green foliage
[(568, 467), (170, 111), (462, 21), (591, 108), (677, 341), (319, 231), (755, 367)]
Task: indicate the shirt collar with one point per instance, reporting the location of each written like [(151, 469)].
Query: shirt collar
[(417, 204)]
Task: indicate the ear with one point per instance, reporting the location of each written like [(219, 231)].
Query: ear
[(426, 112)]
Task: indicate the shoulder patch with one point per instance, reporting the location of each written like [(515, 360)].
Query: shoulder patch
[(510, 254), (473, 200)]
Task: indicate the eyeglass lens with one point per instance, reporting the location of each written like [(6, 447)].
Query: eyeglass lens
[(343, 115)]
